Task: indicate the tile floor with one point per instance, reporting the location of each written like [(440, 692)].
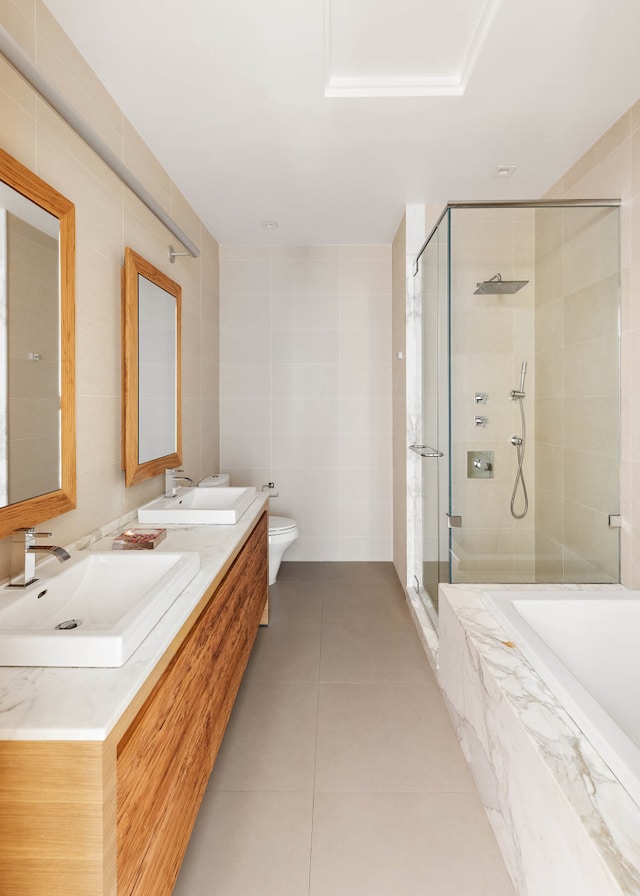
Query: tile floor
[(340, 774)]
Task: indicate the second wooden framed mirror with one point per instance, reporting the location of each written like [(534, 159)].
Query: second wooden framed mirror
[(151, 370)]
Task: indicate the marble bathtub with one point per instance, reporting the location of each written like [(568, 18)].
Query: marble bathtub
[(585, 647), (564, 822)]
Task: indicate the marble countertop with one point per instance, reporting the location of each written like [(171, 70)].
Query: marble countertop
[(38, 703)]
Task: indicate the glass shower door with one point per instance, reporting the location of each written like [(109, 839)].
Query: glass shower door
[(534, 393), (432, 560)]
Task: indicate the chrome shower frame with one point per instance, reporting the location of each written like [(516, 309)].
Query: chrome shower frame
[(443, 226), (518, 203)]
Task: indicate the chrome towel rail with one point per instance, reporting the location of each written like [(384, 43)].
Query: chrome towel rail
[(426, 451)]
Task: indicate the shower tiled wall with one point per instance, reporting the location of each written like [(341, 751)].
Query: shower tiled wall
[(576, 383), (611, 169), (491, 335), (306, 390)]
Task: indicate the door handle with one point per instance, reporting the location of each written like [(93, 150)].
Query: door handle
[(426, 451), (454, 522)]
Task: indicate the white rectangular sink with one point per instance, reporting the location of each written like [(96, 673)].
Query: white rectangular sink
[(92, 610), (222, 506)]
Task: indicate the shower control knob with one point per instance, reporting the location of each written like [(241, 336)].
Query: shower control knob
[(480, 421), (480, 397), (480, 464)]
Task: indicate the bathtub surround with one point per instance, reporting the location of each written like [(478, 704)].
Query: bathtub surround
[(108, 218), (305, 387), (563, 822)]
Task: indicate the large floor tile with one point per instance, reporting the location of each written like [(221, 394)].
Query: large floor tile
[(300, 571), (295, 602), (286, 653), (359, 649), (249, 844), (385, 737), (363, 571), (404, 844), (270, 741), (367, 603)]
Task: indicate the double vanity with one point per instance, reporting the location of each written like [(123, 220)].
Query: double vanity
[(119, 669), (108, 765)]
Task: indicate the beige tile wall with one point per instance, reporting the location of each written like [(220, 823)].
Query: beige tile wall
[(108, 218), (576, 387), (306, 390), (491, 335), (611, 169)]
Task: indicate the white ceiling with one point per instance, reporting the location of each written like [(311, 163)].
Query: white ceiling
[(230, 96)]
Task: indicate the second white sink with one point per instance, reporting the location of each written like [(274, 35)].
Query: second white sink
[(222, 506)]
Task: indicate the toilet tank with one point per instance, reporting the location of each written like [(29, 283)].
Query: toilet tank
[(215, 480)]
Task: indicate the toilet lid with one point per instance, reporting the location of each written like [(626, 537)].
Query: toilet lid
[(279, 524)]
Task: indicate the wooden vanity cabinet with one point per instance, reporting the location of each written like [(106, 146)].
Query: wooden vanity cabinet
[(165, 758), (123, 810)]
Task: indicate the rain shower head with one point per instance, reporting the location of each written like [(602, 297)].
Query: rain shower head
[(496, 286)]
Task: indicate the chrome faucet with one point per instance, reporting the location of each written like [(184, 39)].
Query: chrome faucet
[(23, 561), (170, 479)]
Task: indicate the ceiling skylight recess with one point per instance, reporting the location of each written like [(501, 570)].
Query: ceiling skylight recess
[(377, 49)]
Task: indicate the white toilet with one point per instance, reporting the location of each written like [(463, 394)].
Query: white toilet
[(283, 531)]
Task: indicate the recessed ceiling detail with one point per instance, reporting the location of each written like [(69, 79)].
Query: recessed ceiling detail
[(374, 48)]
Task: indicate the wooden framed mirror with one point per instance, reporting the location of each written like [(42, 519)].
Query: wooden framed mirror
[(37, 349), (151, 370)]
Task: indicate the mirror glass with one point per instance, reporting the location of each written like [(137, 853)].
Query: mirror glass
[(152, 439), (157, 371), (29, 349), (37, 405)]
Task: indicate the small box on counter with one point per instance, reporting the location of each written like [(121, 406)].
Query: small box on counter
[(138, 539)]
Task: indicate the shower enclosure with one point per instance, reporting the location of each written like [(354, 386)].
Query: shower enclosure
[(516, 423)]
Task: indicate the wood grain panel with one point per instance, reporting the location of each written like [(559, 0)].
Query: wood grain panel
[(165, 758), (55, 810)]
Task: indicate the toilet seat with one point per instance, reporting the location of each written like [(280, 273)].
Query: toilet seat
[(278, 525)]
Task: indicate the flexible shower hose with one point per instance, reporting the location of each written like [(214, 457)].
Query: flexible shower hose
[(520, 447)]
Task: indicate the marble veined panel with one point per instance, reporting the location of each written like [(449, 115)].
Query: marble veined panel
[(563, 822)]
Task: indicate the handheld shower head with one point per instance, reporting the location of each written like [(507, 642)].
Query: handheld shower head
[(519, 393), (523, 373)]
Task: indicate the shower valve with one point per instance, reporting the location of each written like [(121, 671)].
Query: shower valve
[(479, 464), (480, 397), (480, 421)]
